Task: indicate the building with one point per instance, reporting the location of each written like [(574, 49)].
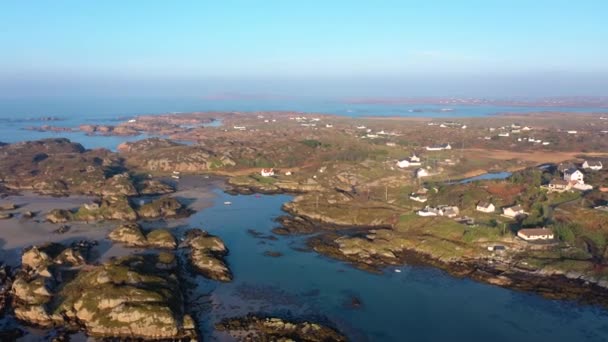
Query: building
[(533, 234), (422, 173), (450, 211), (486, 207), (559, 185), (514, 211), (403, 163), (267, 172), (573, 174), (418, 197), (442, 210), (593, 165), (439, 147), (414, 158), (430, 211)]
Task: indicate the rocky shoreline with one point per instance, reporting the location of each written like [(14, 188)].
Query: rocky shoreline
[(552, 286), (495, 271)]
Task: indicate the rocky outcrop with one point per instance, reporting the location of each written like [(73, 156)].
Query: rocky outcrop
[(107, 130), (163, 207), (132, 236), (8, 206), (129, 234), (59, 216), (129, 298), (119, 208), (206, 255), (253, 328), (119, 184), (153, 187), (162, 155), (5, 287), (56, 167), (161, 238), (33, 287)]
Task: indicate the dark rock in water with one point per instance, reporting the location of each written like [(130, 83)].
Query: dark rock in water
[(254, 328), (260, 235), (28, 214), (273, 254), (353, 303), (5, 287), (64, 228)]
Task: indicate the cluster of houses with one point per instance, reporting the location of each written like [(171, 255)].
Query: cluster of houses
[(514, 212), (411, 161), (441, 210), (573, 178)]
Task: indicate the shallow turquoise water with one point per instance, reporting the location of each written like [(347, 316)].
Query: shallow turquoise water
[(418, 304)]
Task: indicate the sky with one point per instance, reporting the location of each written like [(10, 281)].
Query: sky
[(306, 48)]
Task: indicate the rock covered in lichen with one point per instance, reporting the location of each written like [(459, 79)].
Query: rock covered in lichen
[(132, 235), (127, 298), (253, 328), (162, 207), (207, 255)]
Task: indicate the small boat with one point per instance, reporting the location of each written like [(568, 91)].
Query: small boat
[(397, 271), (175, 176), (227, 203)]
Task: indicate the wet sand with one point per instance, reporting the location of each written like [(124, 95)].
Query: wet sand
[(19, 232)]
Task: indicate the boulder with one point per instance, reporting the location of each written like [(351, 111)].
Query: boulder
[(161, 238), (130, 234), (8, 206), (59, 216), (162, 207)]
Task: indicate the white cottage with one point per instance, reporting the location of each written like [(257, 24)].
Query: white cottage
[(267, 172), (573, 174), (486, 207), (514, 211), (593, 165)]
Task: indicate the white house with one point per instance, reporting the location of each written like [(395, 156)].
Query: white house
[(593, 165), (430, 211), (422, 173), (439, 147), (417, 197), (573, 174), (414, 158), (514, 211), (503, 134), (526, 128), (535, 234), (486, 207), (403, 163), (267, 172)]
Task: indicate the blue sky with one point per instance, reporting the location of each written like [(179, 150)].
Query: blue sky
[(376, 47)]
